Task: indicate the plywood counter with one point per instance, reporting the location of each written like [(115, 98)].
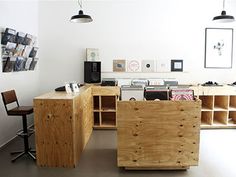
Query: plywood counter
[(63, 125), (158, 134)]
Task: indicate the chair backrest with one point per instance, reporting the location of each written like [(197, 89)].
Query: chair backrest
[(9, 97)]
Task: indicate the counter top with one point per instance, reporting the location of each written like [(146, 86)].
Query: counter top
[(62, 94)]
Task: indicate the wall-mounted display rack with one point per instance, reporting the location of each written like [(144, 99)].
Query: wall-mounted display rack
[(19, 51)]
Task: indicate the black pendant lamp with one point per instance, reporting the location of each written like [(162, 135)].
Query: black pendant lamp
[(81, 17), (223, 17)]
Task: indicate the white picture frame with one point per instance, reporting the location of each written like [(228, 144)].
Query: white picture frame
[(92, 54), (148, 66), (133, 66), (218, 47)]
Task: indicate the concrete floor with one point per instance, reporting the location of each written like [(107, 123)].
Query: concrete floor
[(217, 159)]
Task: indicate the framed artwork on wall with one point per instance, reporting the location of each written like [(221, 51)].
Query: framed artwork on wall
[(119, 65), (177, 65), (92, 54), (148, 66), (218, 48), (163, 65), (133, 66)]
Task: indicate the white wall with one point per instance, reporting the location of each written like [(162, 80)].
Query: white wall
[(131, 29), (21, 16), (127, 29)]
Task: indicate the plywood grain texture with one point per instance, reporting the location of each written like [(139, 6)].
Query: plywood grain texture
[(106, 90), (63, 124), (158, 134)]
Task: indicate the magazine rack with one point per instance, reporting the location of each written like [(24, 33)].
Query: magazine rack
[(18, 51)]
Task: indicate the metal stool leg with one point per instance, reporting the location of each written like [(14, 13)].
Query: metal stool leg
[(27, 149), (17, 157)]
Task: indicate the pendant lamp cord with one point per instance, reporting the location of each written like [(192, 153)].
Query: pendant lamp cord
[(80, 4), (223, 4)]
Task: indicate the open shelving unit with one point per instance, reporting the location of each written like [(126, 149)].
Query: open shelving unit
[(104, 107), (218, 107)]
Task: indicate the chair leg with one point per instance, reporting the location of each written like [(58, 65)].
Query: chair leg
[(15, 158), (31, 155), (33, 151), (17, 152), (25, 131), (27, 150)]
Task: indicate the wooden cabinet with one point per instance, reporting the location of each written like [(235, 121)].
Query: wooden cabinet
[(218, 106), (158, 134), (104, 106), (63, 125)]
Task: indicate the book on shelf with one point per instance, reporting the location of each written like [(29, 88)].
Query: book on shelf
[(27, 51), (8, 36), (8, 64), (33, 64), (20, 36), (19, 50), (28, 63), (19, 64), (28, 39), (33, 52)]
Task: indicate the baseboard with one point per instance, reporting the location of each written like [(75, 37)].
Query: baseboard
[(6, 143)]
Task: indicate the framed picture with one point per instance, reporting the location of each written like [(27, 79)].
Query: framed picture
[(218, 47), (177, 65), (163, 65), (92, 54), (133, 66), (118, 65), (147, 66)]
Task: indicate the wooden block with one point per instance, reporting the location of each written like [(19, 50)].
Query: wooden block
[(163, 134)]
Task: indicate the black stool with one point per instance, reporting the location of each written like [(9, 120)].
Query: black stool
[(8, 98)]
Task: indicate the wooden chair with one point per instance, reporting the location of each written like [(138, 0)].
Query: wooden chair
[(9, 98)]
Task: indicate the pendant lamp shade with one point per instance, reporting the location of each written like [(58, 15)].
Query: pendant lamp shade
[(223, 17), (81, 17)]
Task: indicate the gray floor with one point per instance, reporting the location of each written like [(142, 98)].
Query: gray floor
[(217, 159)]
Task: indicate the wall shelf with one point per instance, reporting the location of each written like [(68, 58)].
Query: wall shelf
[(144, 72)]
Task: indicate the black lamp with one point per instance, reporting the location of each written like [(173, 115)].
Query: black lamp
[(81, 17), (223, 17)]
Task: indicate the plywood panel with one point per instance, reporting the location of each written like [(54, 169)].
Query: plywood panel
[(158, 134), (53, 124), (106, 90), (63, 125)]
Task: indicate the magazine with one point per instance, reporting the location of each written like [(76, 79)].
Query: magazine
[(8, 36), (9, 49), (20, 38), (27, 40), (33, 64), (28, 63), (27, 51), (33, 52), (33, 41), (19, 64), (8, 64), (19, 50)]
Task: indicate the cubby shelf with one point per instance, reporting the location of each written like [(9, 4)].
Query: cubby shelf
[(218, 106), (104, 107)]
